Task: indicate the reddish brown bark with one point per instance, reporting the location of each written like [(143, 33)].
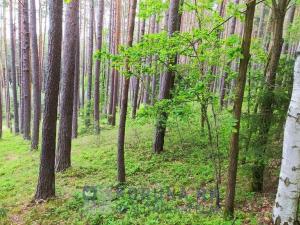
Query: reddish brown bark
[(63, 157), (137, 82), (26, 92), (97, 68), (13, 69), (76, 86), (46, 180)]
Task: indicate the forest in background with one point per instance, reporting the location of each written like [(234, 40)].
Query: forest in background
[(161, 111)]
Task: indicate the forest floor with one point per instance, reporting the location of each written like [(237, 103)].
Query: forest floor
[(160, 189)]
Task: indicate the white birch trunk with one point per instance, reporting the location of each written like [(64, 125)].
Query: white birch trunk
[(287, 198)]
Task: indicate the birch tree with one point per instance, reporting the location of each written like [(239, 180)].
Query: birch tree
[(286, 204)]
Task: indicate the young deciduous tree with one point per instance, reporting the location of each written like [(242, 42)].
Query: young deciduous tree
[(124, 103), (237, 108)]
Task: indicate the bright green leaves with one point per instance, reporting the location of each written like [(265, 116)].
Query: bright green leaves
[(152, 7), (235, 10)]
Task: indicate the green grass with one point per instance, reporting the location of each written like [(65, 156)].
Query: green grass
[(94, 164)]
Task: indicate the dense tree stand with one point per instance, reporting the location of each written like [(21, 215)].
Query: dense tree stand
[(204, 84)]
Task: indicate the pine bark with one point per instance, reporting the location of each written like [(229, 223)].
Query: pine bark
[(26, 70), (237, 108), (83, 57), (63, 157), (111, 50), (97, 69), (6, 70), (1, 129), (90, 51), (36, 77), (21, 113), (224, 83), (46, 180), (137, 83), (13, 70), (76, 86), (261, 21), (117, 41)]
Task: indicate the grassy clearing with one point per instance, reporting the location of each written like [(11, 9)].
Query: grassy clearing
[(94, 164)]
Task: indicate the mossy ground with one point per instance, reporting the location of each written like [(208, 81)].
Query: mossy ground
[(185, 163)]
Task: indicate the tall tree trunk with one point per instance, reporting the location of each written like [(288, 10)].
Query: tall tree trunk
[(286, 206), (261, 21), (35, 76), (118, 6), (155, 59), (97, 68), (90, 51), (76, 85), (123, 114), (111, 50), (6, 70), (167, 81), (42, 64), (1, 88), (289, 21), (137, 84), (90, 64), (21, 111), (13, 69), (46, 180), (266, 107), (63, 157), (83, 56), (237, 108), (26, 69), (224, 83)]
